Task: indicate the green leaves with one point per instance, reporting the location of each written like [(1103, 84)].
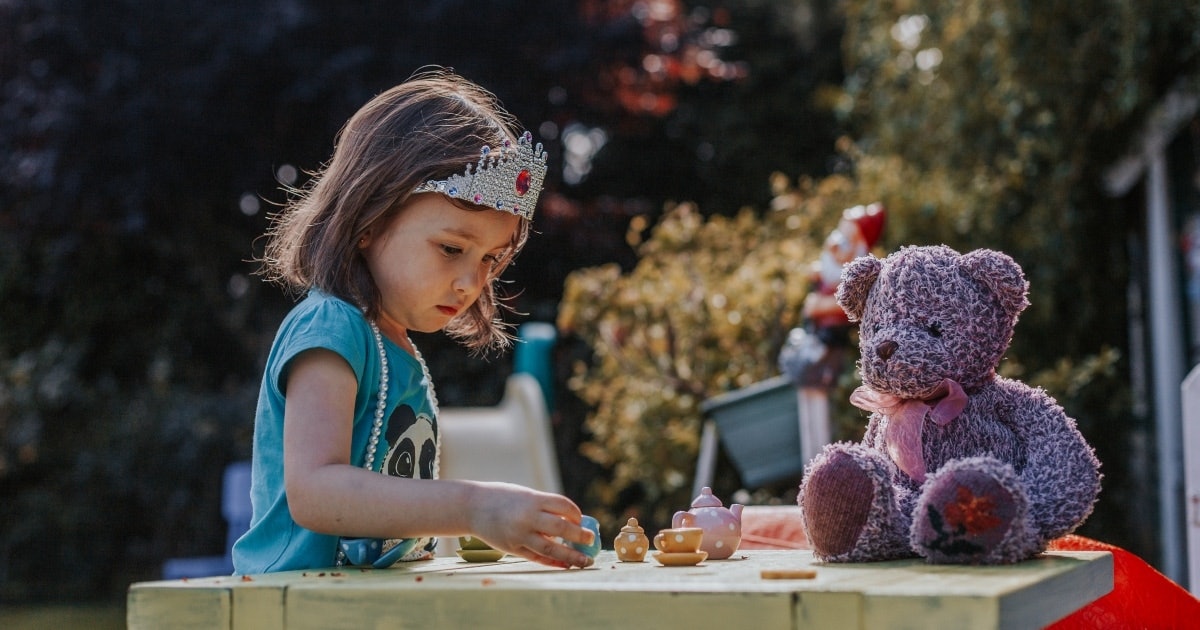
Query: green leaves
[(705, 311)]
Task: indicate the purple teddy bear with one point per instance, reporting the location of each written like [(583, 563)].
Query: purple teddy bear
[(958, 465)]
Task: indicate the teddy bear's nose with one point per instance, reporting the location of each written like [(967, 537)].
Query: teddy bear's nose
[(885, 349)]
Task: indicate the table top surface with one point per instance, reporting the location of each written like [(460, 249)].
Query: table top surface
[(449, 592)]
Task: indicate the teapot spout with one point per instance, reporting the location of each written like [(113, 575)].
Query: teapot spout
[(736, 508)]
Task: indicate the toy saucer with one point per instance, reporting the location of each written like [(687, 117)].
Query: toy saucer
[(680, 559), (480, 555)]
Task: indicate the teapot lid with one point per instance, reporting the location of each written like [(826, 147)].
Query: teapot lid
[(632, 527), (707, 499)]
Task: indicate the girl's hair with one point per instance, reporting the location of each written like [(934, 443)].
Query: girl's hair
[(427, 128)]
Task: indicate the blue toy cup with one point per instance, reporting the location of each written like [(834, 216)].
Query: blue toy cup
[(593, 549)]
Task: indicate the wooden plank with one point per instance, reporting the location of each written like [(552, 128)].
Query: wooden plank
[(261, 608), (152, 607), (449, 593), (1030, 594), (520, 609), (1056, 596), (931, 612), (830, 609), (214, 603)]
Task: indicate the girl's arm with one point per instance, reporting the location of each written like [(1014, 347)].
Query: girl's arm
[(327, 494)]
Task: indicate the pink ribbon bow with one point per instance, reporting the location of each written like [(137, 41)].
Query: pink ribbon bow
[(906, 420)]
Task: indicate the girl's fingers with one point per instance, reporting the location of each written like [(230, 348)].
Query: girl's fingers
[(533, 556), (559, 527), (553, 553), (562, 508)]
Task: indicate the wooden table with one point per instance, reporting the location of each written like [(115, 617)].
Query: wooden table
[(611, 595)]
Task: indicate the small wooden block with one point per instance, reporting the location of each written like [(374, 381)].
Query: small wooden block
[(788, 574)]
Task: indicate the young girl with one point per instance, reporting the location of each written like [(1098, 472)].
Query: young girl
[(407, 228)]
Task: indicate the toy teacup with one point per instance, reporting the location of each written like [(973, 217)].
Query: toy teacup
[(590, 522), (679, 540)]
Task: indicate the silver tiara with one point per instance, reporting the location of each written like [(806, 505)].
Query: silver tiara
[(508, 179)]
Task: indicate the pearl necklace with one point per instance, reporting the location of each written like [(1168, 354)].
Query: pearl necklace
[(381, 402), (381, 408)]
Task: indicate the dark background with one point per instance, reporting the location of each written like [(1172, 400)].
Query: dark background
[(143, 146)]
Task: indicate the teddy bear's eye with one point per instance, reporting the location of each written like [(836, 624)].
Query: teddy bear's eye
[(935, 329)]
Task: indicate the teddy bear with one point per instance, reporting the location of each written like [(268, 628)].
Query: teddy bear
[(958, 465)]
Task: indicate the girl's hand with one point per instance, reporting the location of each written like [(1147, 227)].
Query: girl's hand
[(529, 524)]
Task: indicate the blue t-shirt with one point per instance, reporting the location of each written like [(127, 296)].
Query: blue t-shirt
[(408, 441)]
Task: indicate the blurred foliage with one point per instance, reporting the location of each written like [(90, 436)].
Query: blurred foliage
[(143, 143), (977, 124), (88, 511), (705, 310), (748, 108), (993, 124)]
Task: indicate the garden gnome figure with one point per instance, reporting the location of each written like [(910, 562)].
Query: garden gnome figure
[(815, 355)]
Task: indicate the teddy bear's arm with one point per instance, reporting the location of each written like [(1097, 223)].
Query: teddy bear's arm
[(1061, 474)]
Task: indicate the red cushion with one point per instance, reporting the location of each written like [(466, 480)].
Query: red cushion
[(1141, 596)]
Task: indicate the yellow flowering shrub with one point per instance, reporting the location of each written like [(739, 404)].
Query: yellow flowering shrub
[(705, 310)]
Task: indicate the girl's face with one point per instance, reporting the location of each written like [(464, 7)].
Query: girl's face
[(432, 260)]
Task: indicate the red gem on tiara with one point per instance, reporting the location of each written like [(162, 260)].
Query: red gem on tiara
[(522, 183), (478, 198)]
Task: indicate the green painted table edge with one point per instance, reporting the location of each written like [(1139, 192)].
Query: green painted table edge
[(447, 592)]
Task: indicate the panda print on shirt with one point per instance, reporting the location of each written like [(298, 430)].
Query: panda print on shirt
[(412, 453), (412, 444)]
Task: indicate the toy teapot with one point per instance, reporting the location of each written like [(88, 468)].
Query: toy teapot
[(722, 526)]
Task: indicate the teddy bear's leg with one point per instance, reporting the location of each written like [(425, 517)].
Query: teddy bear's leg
[(973, 511), (849, 507)]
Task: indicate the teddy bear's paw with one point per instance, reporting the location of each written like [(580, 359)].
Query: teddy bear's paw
[(966, 517), (836, 499)]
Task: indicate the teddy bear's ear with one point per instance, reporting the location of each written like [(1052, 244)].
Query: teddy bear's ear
[(858, 276), (1001, 275)]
